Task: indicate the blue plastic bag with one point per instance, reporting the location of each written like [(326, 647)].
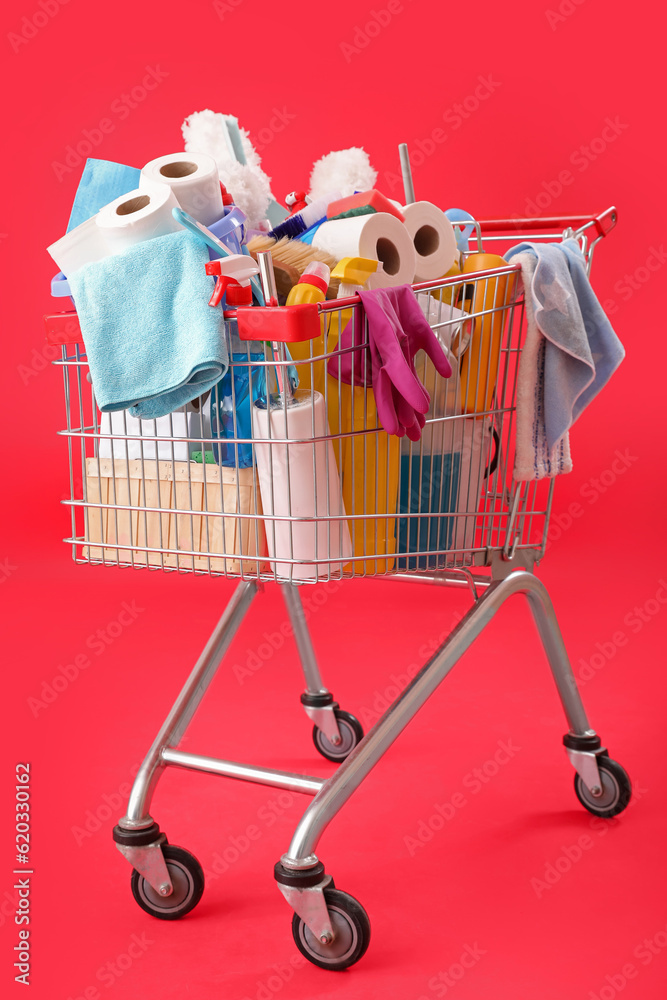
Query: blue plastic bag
[(231, 416)]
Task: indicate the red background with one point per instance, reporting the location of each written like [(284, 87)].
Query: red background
[(557, 78)]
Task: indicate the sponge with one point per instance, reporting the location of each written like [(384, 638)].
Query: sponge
[(363, 203)]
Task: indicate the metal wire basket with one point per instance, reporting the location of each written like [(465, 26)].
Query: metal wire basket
[(321, 491)]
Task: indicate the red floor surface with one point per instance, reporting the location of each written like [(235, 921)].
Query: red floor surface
[(482, 879)]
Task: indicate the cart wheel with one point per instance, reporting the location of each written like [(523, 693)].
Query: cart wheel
[(351, 733), (616, 790), (187, 878), (352, 933)]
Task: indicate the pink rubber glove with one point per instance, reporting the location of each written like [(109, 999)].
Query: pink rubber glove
[(397, 329)]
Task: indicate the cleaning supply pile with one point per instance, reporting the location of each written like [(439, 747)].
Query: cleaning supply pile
[(199, 301)]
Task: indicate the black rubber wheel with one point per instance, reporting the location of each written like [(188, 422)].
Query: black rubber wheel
[(351, 732), (616, 790), (352, 933), (187, 878)]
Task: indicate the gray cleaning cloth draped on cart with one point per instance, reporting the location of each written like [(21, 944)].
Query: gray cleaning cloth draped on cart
[(570, 353), (153, 342)]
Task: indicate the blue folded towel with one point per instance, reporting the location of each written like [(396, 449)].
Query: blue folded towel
[(153, 342), (102, 181), (570, 353)]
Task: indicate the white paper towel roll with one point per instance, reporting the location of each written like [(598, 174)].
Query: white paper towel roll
[(193, 177), (301, 480), (433, 238), (379, 236), (139, 215)]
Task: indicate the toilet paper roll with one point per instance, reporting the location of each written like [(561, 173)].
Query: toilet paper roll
[(433, 238), (140, 215), (193, 177), (379, 237)]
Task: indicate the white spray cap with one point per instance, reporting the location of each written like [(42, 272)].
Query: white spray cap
[(319, 270)]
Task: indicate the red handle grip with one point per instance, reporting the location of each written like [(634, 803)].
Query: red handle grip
[(63, 328), (603, 223), (287, 324)]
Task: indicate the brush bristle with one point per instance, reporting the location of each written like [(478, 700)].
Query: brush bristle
[(292, 228), (296, 254)]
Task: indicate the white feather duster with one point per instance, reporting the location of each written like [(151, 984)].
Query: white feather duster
[(345, 170), (249, 186)]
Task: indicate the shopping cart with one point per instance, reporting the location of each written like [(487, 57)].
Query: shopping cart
[(305, 487)]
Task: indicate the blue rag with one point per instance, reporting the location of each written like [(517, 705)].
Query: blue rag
[(569, 355), (102, 181), (153, 342)]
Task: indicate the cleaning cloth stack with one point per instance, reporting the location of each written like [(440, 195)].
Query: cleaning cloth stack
[(152, 340)]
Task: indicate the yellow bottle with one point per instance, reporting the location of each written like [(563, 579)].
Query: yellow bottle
[(369, 461), (311, 287), (449, 293)]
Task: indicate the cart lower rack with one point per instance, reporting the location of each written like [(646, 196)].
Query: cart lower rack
[(303, 485)]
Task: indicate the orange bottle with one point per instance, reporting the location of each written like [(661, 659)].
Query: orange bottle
[(479, 364)]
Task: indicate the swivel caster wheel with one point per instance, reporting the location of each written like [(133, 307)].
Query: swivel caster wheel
[(187, 879), (351, 733), (615, 794), (352, 933)]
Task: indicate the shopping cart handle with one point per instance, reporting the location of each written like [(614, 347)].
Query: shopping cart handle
[(603, 223), (63, 328), (287, 324)]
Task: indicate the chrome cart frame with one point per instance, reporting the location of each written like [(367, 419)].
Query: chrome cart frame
[(505, 535)]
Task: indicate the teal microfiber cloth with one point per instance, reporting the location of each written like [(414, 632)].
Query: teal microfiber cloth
[(102, 181), (153, 342)]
